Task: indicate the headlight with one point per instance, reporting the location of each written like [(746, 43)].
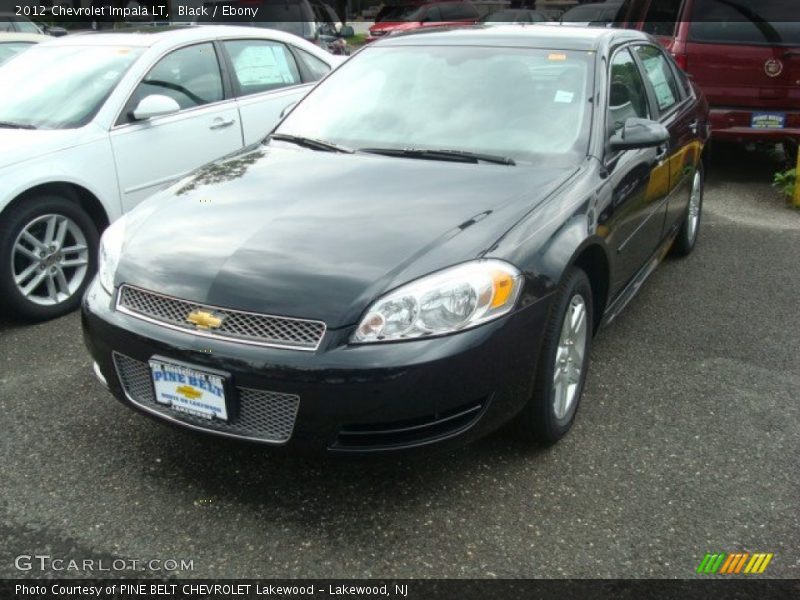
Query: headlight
[(451, 300), (108, 256)]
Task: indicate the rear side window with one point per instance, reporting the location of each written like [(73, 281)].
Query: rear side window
[(762, 23), (661, 17), (261, 66), (660, 75), (627, 96), (316, 67)]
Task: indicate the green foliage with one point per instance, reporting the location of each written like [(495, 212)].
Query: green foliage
[(785, 181)]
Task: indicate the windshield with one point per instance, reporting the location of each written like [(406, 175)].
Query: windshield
[(10, 49), (768, 22), (530, 105), (61, 87)]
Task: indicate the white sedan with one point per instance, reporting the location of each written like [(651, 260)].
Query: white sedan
[(92, 124)]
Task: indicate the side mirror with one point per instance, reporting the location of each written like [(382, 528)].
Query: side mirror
[(639, 133), (286, 110), (155, 105), (346, 31)]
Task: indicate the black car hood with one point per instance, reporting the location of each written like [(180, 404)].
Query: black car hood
[(318, 235)]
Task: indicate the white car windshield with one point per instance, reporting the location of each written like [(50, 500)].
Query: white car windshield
[(530, 105), (60, 87)]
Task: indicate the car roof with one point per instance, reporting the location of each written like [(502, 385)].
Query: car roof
[(539, 35), (172, 35)]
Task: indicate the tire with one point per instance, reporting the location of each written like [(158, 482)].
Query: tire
[(543, 420), (62, 277), (687, 235)]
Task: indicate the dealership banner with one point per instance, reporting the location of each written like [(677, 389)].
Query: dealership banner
[(91, 13), (508, 589)]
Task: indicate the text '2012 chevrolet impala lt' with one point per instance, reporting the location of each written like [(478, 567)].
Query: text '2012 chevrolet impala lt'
[(420, 251)]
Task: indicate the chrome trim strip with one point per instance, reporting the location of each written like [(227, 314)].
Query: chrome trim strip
[(172, 419), (136, 315), (98, 374)]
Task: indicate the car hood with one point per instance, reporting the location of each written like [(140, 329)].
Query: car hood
[(317, 235), (19, 145)]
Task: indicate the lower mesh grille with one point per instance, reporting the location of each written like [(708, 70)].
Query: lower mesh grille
[(263, 415)]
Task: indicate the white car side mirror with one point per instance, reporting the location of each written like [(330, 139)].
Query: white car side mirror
[(155, 105)]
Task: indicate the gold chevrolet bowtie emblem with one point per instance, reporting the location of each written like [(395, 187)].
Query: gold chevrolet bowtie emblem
[(189, 392), (203, 319)]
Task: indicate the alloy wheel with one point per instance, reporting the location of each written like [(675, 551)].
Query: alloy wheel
[(570, 357), (49, 259), (694, 207)]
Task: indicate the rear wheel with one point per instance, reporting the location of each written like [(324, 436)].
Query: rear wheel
[(48, 248), (563, 362), (687, 236)]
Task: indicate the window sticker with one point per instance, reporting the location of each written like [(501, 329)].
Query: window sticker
[(655, 73), (262, 65)]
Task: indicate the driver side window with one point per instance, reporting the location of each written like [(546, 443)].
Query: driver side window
[(190, 76), (627, 95)]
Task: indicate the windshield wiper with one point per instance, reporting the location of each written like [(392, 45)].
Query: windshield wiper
[(454, 155), (309, 143), (10, 125)]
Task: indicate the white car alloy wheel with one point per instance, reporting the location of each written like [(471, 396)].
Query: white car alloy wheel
[(49, 259)]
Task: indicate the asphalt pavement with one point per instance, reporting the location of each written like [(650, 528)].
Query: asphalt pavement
[(687, 442)]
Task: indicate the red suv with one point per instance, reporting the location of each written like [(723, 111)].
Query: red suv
[(745, 55), (407, 17)]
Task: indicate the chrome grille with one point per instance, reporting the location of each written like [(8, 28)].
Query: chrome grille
[(247, 327), (262, 415)]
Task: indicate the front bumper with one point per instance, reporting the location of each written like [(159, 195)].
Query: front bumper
[(342, 397), (734, 125)]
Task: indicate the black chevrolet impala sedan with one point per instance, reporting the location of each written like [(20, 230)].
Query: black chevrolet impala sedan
[(420, 252)]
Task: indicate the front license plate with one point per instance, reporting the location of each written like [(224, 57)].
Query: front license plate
[(771, 120), (189, 391)]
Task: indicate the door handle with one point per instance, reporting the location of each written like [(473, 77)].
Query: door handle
[(220, 124), (693, 126), (661, 153)]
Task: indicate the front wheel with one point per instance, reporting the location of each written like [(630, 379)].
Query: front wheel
[(563, 362), (48, 248)]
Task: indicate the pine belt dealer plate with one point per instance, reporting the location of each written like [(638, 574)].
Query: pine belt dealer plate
[(190, 391), (768, 120)]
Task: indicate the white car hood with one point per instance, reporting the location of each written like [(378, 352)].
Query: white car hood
[(19, 145)]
